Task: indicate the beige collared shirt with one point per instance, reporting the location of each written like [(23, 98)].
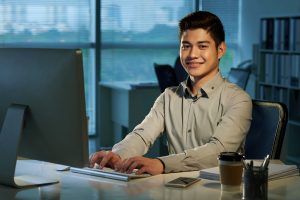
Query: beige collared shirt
[(198, 128)]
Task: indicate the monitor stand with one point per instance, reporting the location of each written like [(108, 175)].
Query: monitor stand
[(10, 137)]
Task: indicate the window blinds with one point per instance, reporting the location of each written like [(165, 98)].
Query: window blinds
[(45, 22), (135, 34), (142, 22), (228, 12)]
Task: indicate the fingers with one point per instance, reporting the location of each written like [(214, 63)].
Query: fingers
[(103, 158), (142, 171), (128, 165), (144, 165), (132, 166), (108, 156), (96, 157)]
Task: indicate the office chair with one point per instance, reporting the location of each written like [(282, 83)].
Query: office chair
[(180, 72), (246, 64), (239, 76), (166, 76), (170, 76), (267, 130)]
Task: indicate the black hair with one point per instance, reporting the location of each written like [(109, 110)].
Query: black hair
[(205, 20)]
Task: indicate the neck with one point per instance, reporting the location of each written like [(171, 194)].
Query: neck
[(198, 82)]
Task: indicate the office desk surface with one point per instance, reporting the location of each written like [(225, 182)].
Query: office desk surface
[(77, 186)]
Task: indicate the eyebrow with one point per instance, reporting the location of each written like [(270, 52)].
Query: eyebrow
[(199, 42)]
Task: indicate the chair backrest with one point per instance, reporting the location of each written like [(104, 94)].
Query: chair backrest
[(239, 76), (267, 130), (181, 74), (166, 76)]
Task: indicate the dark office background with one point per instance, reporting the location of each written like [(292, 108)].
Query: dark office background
[(122, 39)]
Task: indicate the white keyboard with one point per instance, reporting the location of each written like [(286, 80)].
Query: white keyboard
[(108, 173)]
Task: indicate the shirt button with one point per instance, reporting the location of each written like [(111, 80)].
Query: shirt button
[(189, 131)]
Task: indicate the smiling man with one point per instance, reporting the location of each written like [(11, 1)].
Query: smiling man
[(202, 117)]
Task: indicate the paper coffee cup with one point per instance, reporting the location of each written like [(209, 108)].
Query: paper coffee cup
[(231, 170)]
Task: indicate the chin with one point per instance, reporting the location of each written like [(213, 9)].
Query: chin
[(196, 73)]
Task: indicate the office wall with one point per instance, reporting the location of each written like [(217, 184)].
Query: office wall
[(253, 10)]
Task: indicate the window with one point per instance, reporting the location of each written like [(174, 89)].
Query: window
[(229, 13), (136, 34), (52, 24)]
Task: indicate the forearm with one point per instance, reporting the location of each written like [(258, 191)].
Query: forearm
[(193, 159), (131, 145)]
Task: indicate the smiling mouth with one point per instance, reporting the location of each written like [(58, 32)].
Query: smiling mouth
[(194, 64), (195, 61)]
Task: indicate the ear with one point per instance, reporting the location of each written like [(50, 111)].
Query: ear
[(221, 50)]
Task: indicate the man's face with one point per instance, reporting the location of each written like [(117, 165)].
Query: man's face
[(199, 55)]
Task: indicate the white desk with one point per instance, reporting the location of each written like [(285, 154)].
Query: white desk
[(76, 186)]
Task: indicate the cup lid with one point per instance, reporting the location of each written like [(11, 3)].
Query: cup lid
[(230, 156)]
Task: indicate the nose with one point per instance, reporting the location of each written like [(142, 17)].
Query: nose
[(194, 53)]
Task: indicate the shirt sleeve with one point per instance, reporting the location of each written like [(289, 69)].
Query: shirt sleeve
[(143, 136), (228, 136)]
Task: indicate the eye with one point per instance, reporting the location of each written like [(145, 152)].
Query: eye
[(202, 46), (185, 46)]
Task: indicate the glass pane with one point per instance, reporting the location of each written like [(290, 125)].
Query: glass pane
[(135, 35), (227, 61), (48, 21), (134, 64), (89, 86), (229, 13)]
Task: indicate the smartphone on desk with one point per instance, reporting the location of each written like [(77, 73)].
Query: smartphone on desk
[(182, 182)]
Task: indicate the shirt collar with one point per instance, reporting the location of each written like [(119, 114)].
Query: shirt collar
[(207, 89)]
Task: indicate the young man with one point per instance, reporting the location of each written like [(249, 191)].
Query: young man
[(202, 117)]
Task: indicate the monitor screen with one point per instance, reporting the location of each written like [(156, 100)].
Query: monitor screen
[(50, 83), (239, 77)]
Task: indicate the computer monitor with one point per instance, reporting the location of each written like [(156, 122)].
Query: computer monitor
[(239, 76), (42, 109)]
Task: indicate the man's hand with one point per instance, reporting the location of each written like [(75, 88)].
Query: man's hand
[(104, 159), (144, 165)]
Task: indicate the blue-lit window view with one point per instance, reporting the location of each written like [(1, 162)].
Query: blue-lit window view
[(45, 21), (135, 35)]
